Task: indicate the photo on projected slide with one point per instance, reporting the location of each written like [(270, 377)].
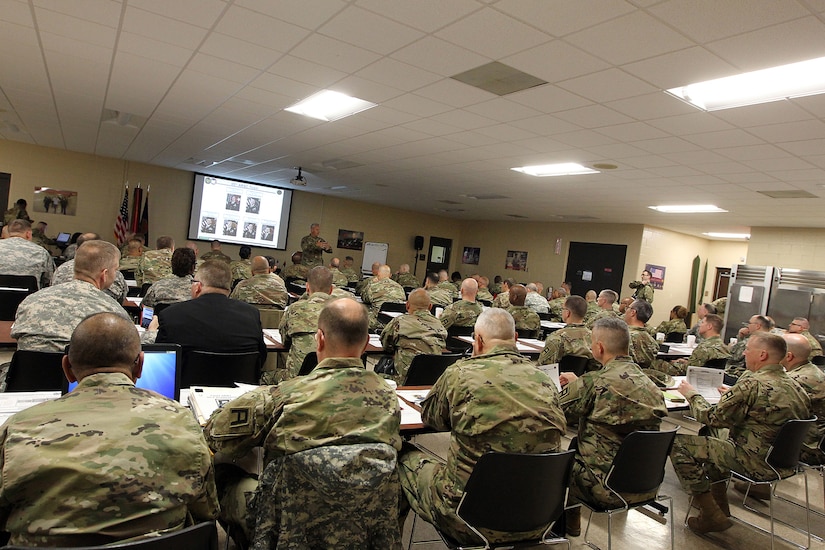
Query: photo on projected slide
[(239, 212)]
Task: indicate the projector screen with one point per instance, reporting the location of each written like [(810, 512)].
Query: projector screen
[(239, 212)]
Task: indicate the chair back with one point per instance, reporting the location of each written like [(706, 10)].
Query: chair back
[(545, 316), (485, 303), (784, 453), (639, 466), (454, 344), (210, 368), (527, 333), (309, 364), (270, 316), (203, 536), (718, 363), (35, 371), (144, 289), (13, 290), (512, 492), (819, 360), (425, 369), (398, 307), (573, 363), (674, 337)]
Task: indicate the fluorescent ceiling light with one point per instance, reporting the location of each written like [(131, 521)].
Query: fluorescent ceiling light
[(686, 208), (563, 169), (329, 106), (728, 235), (783, 82)]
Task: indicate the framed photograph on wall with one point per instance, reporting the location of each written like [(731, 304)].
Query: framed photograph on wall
[(657, 276), (516, 260), (350, 240), (55, 201), (470, 255)]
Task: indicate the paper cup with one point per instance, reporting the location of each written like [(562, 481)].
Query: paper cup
[(691, 340), (660, 336)]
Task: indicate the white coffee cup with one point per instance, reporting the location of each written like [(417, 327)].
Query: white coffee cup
[(733, 341), (691, 340), (660, 336)]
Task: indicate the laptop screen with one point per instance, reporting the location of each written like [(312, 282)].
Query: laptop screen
[(63, 238), (161, 370)]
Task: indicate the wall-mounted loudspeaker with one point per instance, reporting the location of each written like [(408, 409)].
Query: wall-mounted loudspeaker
[(419, 242)]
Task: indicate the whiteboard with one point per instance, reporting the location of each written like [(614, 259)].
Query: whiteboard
[(374, 252)]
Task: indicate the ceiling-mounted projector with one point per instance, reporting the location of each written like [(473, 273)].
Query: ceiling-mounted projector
[(299, 179)]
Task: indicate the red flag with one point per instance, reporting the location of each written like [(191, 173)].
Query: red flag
[(144, 218), (122, 220), (136, 201)]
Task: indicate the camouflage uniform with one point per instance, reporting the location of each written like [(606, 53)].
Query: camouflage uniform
[(241, 269), (129, 263), (46, 319), (169, 290), (298, 327), (440, 296), (312, 252), (264, 289), (574, 339), (720, 306), (495, 288), (118, 290), (812, 380), (736, 364), (643, 347), (21, 257), (461, 314), (502, 300), (108, 461), (449, 287), (216, 255), (484, 294), (537, 302), (671, 326), (816, 347), (338, 279), (525, 318), (351, 275), (377, 293), (600, 314), (710, 348), (154, 265), (406, 279), (556, 306), (338, 403), (296, 271), (493, 402), (642, 291), (15, 213), (592, 310), (39, 238), (752, 410), (410, 335), (608, 404)]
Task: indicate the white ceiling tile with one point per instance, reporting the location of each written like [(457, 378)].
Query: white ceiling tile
[(593, 116), (417, 105), (239, 51), (560, 17), (791, 131), (548, 99), (775, 45), (651, 106), (568, 61), (425, 15), (503, 110), (129, 89), (752, 152), (679, 68), (454, 93), (161, 29), (724, 139), (398, 75), (265, 31), (301, 70), (492, 34), (309, 14), (694, 123), (203, 13), (334, 53), (101, 12), (83, 30), (632, 131), (545, 125), (153, 49), (215, 66), (440, 57), (385, 35), (463, 119), (608, 85)]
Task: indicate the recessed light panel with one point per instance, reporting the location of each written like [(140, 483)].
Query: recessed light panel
[(329, 106), (687, 208), (728, 235), (562, 169)]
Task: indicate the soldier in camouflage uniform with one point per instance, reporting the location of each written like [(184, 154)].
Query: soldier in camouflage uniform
[(524, 317), (495, 286), (405, 278), (736, 364), (19, 256), (812, 380), (751, 412), (339, 404), (445, 283), (592, 307), (711, 347), (484, 292), (65, 273), (313, 247), (156, 264), (39, 236), (17, 212), (215, 253), (608, 404), (676, 323), (382, 290), (800, 325), (642, 290), (178, 287), (605, 301), (643, 347), (85, 469), (703, 310), (46, 319), (502, 299), (264, 288), (535, 300), (556, 305), (242, 269), (352, 275), (297, 270), (720, 305), (133, 251), (412, 334), (574, 339), (494, 401), (300, 322), (338, 279), (464, 312), (438, 296)]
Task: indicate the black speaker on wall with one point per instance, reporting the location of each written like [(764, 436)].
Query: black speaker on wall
[(419, 242)]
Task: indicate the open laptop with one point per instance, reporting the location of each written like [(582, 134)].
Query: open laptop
[(63, 238), (161, 370)]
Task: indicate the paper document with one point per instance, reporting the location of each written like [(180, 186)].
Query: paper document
[(273, 334), (408, 414), (13, 402), (204, 400), (375, 340), (706, 381), (552, 371)]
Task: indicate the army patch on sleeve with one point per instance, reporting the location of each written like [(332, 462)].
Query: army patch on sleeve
[(239, 417)]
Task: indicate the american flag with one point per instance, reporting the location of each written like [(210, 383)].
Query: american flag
[(122, 221)]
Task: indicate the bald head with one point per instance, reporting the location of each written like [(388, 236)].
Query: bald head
[(103, 342), (799, 350), (87, 237), (469, 289), (260, 265), (335, 262), (517, 295), (418, 300), (405, 268), (376, 266), (342, 329)]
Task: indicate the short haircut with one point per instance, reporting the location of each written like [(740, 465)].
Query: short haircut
[(496, 323), (245, 252), (497, 279), (316, 224), (532, 286), (590, 295), (215, 244), (577, 306), (350, 258), (342, 324), (517, 295), (19, 226), (648, 272), (710, 308), (613, 333), (84, 237), (765, 322), (260, 264), (320, 279), (680, 311), (215, 274), (419, 299), (385, 271), (103, 340), (335, 262), (643, 309), (165, 241), (297, 256), (183, 262), (483, 281), (95, 256), (563, 292), (509, 281), (134, 244), (456, 276), (272, 261), (774, 344), (803, 322), (21, 202), (609, 295), (432, 277), (715, 321)]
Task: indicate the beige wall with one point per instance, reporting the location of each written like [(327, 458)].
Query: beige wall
[(791, 247)]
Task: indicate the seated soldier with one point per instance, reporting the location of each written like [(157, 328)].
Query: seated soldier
[(263, 288), (711, 347), (178, 287), (464, 312), (574, 339), (676, 323), (526, 318)]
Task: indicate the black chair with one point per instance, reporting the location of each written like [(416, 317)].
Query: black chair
[(819, 360), (638, 467), (203, 536), (35, 371), (514, 493), (161, 307), (573, 363), (309, 364), (783, 454), (210, 368), (13, 290), (718, 363), (454, 344), (674, 337), (485, 303), (425, 369), (398, 307), (527, 333), (545, 316), (128, 274), (144, 289)]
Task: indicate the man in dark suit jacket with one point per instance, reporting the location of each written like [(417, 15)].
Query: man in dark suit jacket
[(211, 321)]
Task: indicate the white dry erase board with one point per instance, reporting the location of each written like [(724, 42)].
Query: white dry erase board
[(374, 252)]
